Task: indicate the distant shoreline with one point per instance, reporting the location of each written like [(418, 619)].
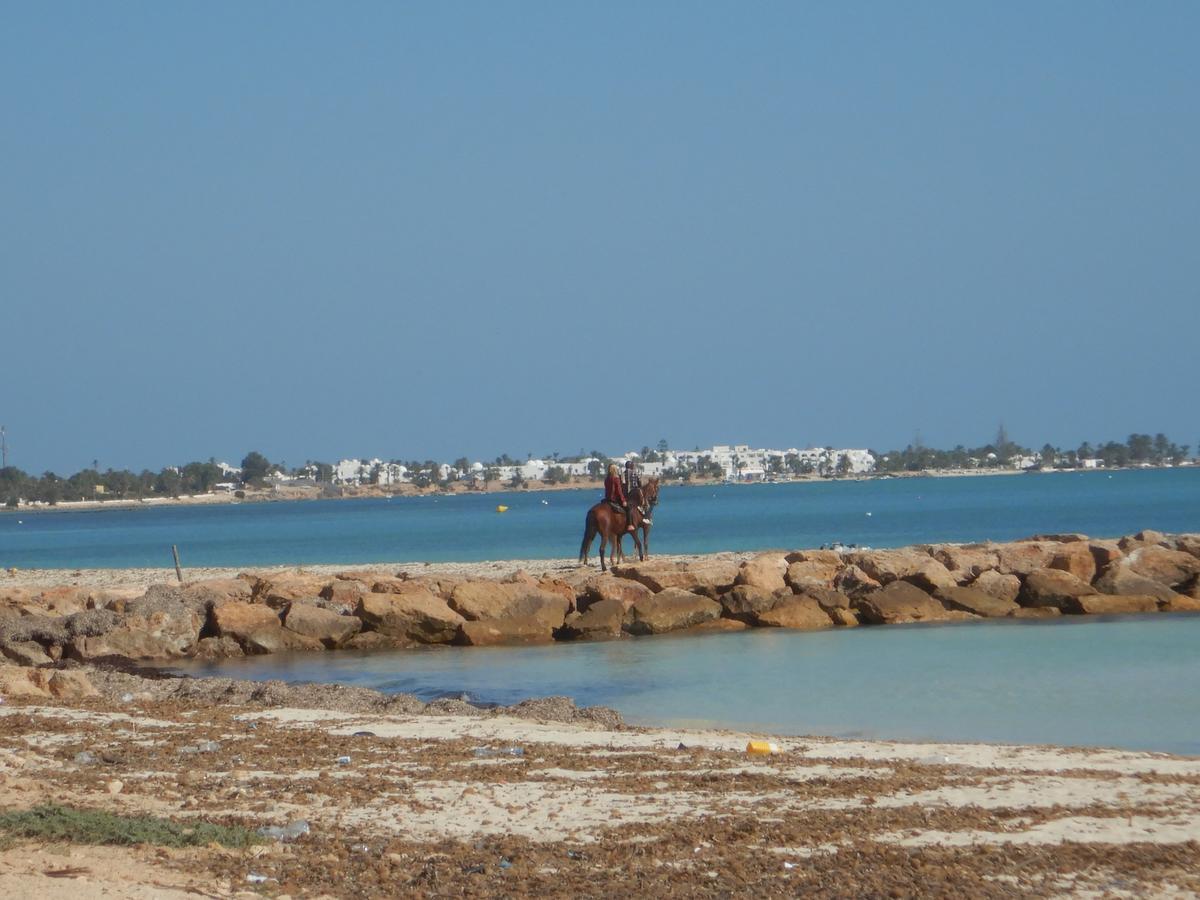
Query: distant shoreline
[(293, 494)]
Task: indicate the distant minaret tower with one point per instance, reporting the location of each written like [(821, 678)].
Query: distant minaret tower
[(3, 448)]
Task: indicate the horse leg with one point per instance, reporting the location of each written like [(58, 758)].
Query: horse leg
[(603, 547), (645, 542), (589, 535)]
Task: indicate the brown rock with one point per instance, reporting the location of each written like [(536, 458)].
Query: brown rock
[(746, 602), (931, 575), (1120, 579), (373, 640), (886, 566), (824, 557), (1148, 536), (710, 579), (62, 600), (1076, 558), (277, 591), (512, 630), (520, 576), (416, 616), (966, 561), (764, 571), (608, 587), (257, 628), (1053, 587), (1169, 567), (899, 602), (344, 592), (1188, 543), (1002, 587), (26, 653), (810, 573), (1035, 612), (160, 625), (1105, 553), (560, 587), (211, 591), (67, 685), (485, 600), (855, 582), (846, 618), (828, 598), (712, 626), (1023, 557), (1181, 603), (16, 682), (601, 620), (976, 602), (324, 625), (670, 610), (1070, 537), (218, 648), (1107, 604), (796, 611)]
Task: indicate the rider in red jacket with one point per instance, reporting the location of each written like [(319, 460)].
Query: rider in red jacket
[(614, 492)]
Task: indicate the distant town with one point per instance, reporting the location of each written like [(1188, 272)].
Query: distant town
[(734, 463)]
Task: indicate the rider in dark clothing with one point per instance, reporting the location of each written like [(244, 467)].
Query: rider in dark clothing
[(633, 480), (614, 492)]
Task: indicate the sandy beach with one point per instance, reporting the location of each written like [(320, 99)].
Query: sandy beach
[(542, 800)]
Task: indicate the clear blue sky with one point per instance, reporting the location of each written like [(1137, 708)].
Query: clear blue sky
[(413, 230)]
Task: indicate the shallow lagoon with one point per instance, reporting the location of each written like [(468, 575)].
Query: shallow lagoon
[(1130, 682)]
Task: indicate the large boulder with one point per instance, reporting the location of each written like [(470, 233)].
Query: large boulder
[(796, 611), (560, 587), (825, 557), (966, 561), (1188, 543), (1105, 553), (708, 578), (745, 602), (344, 592), (1076, 558), (1120, 579), (608, 587), (40, 683), (930, 575), (1108, 604), (602, 619), (485, 600), (1001, 586), (1053, 587), (62, 600), (256, 628), (211, 591), (975, 602), (512, 630), (26, 653), (807, 573), (764, 571), (900, 602), (854, 582), (278, 590), (415, 616), (671, 609), (1169, 567), (886, 566), (324, 625), (160, 625), (1023, 557)]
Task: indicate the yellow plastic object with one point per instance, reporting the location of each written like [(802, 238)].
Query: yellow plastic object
[(762, 747), (501, 509)]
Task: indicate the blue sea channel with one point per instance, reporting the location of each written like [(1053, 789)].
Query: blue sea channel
[(547, 525)]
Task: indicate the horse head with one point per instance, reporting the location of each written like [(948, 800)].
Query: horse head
[(650, 492)]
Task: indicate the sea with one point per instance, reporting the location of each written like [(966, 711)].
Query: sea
[(549, 524), (1128, 682)]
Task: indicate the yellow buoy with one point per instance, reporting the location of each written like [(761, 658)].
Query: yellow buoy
[(501, 509)]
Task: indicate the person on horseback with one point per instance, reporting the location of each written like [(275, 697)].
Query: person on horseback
[(633, 483), (614, 493)]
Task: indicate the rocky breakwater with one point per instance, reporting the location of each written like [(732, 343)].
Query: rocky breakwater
[(1044, 576)]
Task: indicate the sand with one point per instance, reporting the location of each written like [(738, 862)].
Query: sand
[(436, 805)]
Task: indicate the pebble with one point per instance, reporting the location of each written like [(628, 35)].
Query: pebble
[(114, 787)]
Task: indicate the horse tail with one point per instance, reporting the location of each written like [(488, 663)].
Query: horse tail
[(589, 534)]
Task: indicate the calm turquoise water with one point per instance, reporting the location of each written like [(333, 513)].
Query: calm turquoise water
[(1131, 682), (550, 524)]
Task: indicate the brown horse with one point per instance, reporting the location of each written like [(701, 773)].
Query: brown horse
[(610, 524)]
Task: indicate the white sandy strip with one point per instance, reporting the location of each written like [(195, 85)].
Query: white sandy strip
[(1174, 829)]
